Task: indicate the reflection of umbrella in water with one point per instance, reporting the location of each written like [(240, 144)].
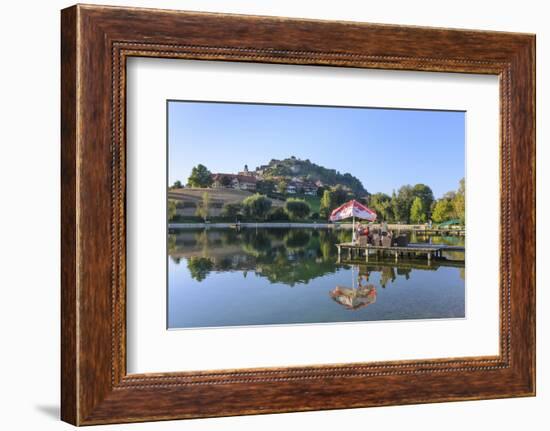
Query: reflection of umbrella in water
[(354, 298)]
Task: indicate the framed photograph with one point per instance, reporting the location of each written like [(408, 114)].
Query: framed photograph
[(266, 215)]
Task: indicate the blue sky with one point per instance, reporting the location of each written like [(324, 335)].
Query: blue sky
[(384, 148)]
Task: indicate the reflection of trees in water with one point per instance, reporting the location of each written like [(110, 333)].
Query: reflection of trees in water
[(297, 239), (278, 233), (256, 243), (187, 240), (327, 241), (171, 242), (453, 255), (224, 264), (204, 239), (299, 272), (231, 237), (325, 250), (343, 235), (438, 239), (406, 272), (387, 274), (199, 267), (288, 256)]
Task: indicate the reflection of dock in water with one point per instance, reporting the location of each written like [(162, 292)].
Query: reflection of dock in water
[(410, 251), (377, 264)]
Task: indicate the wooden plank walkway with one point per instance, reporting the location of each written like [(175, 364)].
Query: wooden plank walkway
[(444, 232), (428, 250)]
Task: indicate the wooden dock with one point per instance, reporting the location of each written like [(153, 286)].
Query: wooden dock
[(441, 232), (412, 250)]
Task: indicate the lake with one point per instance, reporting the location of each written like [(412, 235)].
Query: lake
[(275, 276)]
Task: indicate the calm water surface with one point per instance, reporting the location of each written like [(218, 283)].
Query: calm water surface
[(284, 276)]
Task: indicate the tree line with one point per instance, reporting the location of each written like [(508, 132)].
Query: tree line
[(259, 207), (256, 207), (416, 204), (409, 204)]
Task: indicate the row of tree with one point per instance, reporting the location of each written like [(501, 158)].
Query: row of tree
[(255, 207), (416, 204), (332, 198), (259, 207), (200, 177)]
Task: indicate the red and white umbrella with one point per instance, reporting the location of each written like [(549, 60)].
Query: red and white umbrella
[(352, 209)]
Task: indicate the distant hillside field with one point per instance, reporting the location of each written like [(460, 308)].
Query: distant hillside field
[(224, 196), (314, 202)]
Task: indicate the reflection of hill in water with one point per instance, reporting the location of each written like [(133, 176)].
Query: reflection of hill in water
[(288, 256)]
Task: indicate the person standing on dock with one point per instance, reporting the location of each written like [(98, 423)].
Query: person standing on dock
[(358, 231), (366, 231)]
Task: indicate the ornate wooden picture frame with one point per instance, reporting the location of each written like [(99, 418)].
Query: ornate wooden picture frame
[(96, 41)]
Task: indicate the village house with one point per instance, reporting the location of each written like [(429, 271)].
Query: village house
[(247, 173), (261, 170), (310, 188), (300, 186), (291, 188), (237, 182)]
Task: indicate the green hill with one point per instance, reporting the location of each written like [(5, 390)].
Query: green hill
[(293, 167)]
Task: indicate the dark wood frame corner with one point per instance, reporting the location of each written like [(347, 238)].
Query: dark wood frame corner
[(95, 43)]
